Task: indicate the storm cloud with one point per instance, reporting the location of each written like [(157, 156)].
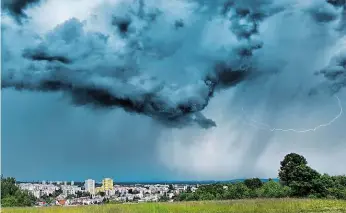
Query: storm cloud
[(168, 65), (83, 63), (335, 72), (17, 8)]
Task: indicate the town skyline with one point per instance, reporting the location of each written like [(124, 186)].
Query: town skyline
[(63, 193)]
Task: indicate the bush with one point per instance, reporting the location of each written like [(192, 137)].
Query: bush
[(237, 191), (340, 180), (192, 197), (206, 196), (321, 185), (339, 193), (253, 183), (272, 189), (313, 196), (11, 195)]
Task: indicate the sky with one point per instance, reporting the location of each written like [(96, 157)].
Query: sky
[(154, 90)]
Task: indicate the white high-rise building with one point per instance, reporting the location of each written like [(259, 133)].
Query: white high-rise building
[(89, 186), (72, 183)]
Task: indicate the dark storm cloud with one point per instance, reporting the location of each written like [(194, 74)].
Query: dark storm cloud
[(341, 5), (81, 64), (39, 55), (250, 18), (152, 103), (175, 62), (179, 24), (335, 72), (122, 24), (86, 66), (323, 12), (17, 7), (337, 3)]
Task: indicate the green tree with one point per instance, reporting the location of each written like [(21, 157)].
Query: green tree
[(339, 180), (207, 196), (338, 193), (171, 187), (213, 189), (237, 191), (12, 195), (321, 186), (58, 192), (164, 198), (295, 173), (181, 196), (192, 197), (9, 201), (47, 199), (272, 189), (287, 172), (303, 184), (8, 186), (253, 183)]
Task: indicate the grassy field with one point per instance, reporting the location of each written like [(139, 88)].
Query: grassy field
[(240, 206)]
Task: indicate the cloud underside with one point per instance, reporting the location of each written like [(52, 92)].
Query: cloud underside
[(166, 65)]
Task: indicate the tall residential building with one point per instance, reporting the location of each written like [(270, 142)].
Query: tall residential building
[(89, 186), (72, 183), (107, 184)]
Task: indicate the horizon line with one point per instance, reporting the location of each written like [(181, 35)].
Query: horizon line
[(147, 181)]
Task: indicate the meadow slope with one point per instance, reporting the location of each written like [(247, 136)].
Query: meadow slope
[(234, 206)]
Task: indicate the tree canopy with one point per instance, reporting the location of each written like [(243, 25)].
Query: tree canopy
[(296, 179), (287, 172), (12, 195), (253, 183)]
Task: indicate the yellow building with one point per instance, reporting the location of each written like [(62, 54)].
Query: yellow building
[(107, 184)]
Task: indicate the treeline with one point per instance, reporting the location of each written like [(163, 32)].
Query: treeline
[(12, 195), (296, 179)]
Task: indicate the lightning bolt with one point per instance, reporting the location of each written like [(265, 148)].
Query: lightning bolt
[(267, 127)]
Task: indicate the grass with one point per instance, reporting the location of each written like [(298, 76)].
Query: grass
[(237, 206)]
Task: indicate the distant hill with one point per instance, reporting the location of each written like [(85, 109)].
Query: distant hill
[(190, 182)]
